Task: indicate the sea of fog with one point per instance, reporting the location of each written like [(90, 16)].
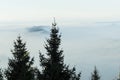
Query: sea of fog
[(85, 46)]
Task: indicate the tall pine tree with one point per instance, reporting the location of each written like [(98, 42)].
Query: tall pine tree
[(95, 75), (53, 67), (20, 65)]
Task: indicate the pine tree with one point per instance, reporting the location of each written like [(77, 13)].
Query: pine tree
[(20, 65), (95, 75), (1, 74), (53, 67)]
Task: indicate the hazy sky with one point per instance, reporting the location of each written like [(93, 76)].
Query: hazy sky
[(66, 11)]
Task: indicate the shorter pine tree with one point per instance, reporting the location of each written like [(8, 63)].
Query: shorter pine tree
[(95, 75), (20, 66)]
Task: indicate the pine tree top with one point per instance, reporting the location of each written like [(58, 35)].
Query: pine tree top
[(95, 74)]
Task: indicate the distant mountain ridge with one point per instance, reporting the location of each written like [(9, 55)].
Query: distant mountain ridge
[(43, 29)]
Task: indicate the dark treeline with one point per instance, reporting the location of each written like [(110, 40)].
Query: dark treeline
[(20, 66)]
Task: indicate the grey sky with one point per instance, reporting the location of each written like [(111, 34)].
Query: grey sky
[(41, 11)]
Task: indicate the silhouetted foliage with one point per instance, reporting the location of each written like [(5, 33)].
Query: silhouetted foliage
[(95, 75), (20, 65), (1, 74), (53, 67)]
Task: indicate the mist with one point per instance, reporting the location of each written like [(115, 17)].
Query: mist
[(84, 47)]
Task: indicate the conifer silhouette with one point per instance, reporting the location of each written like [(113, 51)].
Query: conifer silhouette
[(53, 67), (95, 75), (20, 65), (1, 74)]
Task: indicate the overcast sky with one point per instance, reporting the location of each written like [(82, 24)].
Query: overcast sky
[(66, 11)]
